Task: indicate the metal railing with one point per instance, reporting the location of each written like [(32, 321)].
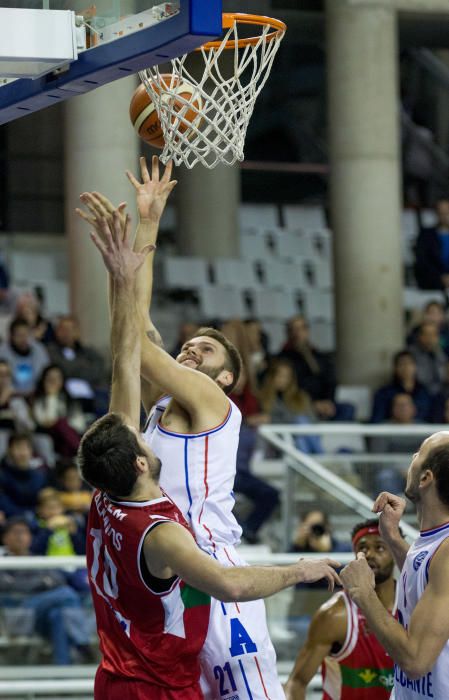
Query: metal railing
[(296, 462)]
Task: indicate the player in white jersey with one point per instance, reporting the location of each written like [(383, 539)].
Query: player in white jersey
[(194, 431), (419, 641)]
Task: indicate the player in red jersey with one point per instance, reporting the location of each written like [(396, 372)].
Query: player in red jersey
[(150, 582), (354, 664)]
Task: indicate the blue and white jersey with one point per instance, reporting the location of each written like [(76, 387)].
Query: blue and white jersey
[(198, 472), (413, 581)]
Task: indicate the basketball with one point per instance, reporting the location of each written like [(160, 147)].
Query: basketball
[(144, 117)]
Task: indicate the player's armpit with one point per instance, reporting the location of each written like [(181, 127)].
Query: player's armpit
[(328, 626)]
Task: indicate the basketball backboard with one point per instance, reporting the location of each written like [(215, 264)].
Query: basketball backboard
[(110, 39)]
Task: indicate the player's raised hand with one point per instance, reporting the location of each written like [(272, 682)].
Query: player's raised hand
[(114, 244), (152, 193), (99, 207), (391, 509), (357, 577), (312, 570)]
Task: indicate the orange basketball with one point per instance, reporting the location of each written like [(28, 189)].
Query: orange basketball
[(143, 113)]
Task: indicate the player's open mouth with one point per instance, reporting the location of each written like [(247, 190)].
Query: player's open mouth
[(190, 362)]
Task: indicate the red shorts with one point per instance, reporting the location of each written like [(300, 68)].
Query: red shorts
[(109, 687)]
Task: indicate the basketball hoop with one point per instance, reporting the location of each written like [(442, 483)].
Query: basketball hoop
[(224, 103)]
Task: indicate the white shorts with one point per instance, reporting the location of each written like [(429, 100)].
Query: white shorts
[(238, 661)]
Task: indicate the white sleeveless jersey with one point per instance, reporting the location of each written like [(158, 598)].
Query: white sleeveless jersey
[(198, 472), (414, 579)]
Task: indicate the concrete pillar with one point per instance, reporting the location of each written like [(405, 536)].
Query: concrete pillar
[(207, 202), (100, 145), (365, 193)]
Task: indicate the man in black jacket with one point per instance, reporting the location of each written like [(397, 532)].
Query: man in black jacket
[(432, 251)]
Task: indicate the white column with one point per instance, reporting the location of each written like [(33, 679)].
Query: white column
[(365, 193), (100, 145), (207, 202)]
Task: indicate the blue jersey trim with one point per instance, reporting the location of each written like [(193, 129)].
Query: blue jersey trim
[(186, 471), (428, 533), (196, 435), (245, 679)]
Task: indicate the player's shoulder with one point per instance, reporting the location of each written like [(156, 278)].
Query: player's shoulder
[(329, 623), (439, 561)]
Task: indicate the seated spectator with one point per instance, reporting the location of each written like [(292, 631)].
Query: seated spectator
[(186, 331), (263, 496), (77, 361), (434, 312), (58, 534), (56, 607), (392, 478), (283, 400), (26, 357), (74, 493), (257, 348), (438, 409), (21, 478), (432, 251), (14, 410), (403, 381), (315, 371), (28, 310), (56, 413), (430, 358)]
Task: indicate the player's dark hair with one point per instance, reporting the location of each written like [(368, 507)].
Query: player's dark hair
[(438, 463), (233, 358), (107, 456), (371, 522)]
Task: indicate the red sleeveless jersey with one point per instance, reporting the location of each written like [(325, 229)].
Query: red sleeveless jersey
[(362, 669), (150, 630)]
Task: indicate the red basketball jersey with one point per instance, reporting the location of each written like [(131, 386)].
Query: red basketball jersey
[(362, 669), (150, 630)]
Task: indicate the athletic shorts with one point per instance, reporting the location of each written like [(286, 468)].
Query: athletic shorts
[(110, 687), (238, 661)]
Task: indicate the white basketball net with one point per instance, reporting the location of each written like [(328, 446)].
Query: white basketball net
[(223, 104)]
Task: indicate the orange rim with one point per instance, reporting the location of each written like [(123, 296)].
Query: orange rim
[(229, 18)]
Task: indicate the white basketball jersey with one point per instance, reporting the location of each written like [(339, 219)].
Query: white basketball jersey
[(414, 579), (198, 472)]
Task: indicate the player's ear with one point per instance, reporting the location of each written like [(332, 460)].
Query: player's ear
[(141, 464), (225, 378), (426, 478)]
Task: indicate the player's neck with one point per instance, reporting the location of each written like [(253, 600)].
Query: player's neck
[(385, 591), (146, 490), (432, 514)]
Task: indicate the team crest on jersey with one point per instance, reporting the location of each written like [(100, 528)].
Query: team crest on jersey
[(418, 560)]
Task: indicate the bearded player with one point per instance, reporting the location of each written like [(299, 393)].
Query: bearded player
[(419, 641), (193, 428), (353, 663)]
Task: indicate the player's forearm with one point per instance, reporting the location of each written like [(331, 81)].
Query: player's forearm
[(392, 636), (398, 547), (146, 232), (251, 583), (124, 322)]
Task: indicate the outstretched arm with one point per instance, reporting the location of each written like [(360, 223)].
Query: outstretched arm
[(170, 549), (416, 649), (328, 626), (122, 264)]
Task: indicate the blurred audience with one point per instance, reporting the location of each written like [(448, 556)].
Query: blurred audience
[(258, 354), (56, 611), (430, 358), (432, 251), (77, 361), (26, 356), (58, 534), (74, 493), (263, 496), (315, 371), (433, 312), (21, 477), (56, 413), (313, 534), (14, 410), (28, 310), (403, 381), (283, 400)]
